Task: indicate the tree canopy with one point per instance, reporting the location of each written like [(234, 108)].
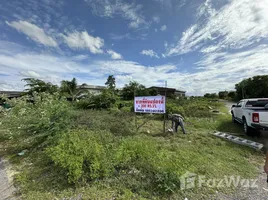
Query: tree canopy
[(37, 85), (211, 95), (134, 87), (255, 87), (110, 83), (71, 89)]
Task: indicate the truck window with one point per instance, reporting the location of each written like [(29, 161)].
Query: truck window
[(259, 103), (239, 104)]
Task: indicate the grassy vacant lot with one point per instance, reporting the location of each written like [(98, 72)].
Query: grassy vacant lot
[(89, 154)]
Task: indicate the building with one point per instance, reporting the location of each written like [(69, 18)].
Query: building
[(180, 93), (93, 89), (11, 94), (169, 91)]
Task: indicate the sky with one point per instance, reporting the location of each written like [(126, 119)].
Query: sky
[(199, 46)]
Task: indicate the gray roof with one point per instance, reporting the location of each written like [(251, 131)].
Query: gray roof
[(12, 93), (97, 87), (168, 89)]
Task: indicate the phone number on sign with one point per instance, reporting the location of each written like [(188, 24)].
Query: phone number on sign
[(150, 111)]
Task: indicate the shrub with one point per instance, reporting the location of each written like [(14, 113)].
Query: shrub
[(89, 155), (106, 100), (84, 154), (153, 162), (86, 103), (118, 123), (172, 108), (36, 118)]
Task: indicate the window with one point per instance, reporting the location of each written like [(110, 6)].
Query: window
[(259, 103), (239, 104)]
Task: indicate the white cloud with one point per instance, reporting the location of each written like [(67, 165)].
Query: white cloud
[(34, 32), (156, 19), (238, 24), (30, 74), (114, 55), (131, 12), (216, 70), (165, 44), (150, 53), (163, 28), (209, 49), (80, 57), (82, 40), (155, 30)]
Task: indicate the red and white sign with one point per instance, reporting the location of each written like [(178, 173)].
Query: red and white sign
[(154, 104)]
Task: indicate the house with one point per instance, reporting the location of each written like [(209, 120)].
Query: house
[(169, 91), (180, 93), (11, 94), (93, 89)]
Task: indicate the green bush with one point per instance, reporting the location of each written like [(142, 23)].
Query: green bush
[(160, 168), (86, 103), (174, 109), (118, 123), (84, 154), (37, 119), (196, 107), (89, 155), (197, 110), (106, 100)]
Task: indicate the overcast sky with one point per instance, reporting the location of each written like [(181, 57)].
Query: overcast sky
[(196, 45)]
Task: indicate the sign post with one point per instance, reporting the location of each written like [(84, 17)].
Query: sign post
[(150, 104), (164, 124)]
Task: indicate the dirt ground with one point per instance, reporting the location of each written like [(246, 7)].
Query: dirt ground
[(7, 188)]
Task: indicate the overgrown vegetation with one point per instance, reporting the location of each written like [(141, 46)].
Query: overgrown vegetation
[(97, 148), (102, 154)]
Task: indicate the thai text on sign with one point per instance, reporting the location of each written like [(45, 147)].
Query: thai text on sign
[(151, 104)]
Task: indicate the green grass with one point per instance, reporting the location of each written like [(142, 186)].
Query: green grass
[(147, 162)]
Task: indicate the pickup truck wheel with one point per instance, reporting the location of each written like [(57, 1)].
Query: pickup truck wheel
[(247, 130)]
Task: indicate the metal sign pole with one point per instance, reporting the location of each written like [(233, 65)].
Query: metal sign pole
[(135, 117), (164, 124)]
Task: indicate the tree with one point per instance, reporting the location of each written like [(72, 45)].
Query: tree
[(71, 89), (255, 87), (133, 86), (232, 95), (37, 85), (110, 83), (211, 95), (223, 94), (152, 91), (105, 100)]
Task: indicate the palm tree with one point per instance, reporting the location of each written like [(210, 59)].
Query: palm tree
[(71, 89)]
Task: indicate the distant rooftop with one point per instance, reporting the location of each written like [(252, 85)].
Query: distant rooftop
[(91, 86), (12, 93), (163, 88)]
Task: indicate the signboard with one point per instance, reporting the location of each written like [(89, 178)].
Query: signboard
[(151, 104)]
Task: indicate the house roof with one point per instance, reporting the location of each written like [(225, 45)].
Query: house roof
[(91, 87), (163, 88), (12, 93)]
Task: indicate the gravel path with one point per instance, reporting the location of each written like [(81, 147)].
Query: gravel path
[(255, 193), (6, 186)]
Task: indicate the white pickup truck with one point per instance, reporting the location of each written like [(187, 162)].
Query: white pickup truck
[(252, 113)]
